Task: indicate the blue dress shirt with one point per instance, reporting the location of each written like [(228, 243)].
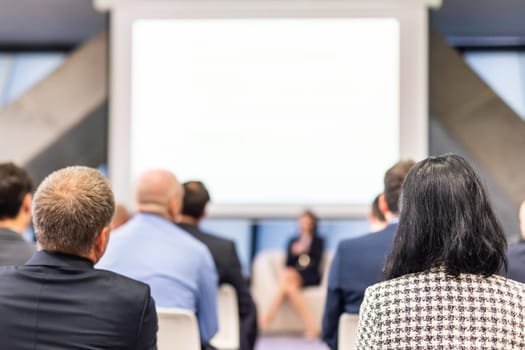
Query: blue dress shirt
[(178, 268)]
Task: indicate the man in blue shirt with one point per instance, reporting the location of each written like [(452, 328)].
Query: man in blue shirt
[(358, 262), (150, 248)]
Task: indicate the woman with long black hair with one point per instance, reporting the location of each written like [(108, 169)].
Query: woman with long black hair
[(442, 290)]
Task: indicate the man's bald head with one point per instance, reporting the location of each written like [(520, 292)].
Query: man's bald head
[(158, 191)]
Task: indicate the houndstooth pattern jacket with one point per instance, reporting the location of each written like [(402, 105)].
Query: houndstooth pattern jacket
[(431, 310)]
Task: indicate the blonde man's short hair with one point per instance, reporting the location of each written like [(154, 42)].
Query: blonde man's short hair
[(70, 208)]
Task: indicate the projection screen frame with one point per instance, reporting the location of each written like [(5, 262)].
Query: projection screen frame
[(413, 75)]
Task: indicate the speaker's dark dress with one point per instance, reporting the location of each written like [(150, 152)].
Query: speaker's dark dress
[(308, 264)]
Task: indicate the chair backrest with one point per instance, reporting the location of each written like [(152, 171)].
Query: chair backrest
[(347, 333), (227, 338), (178, 329), (328, 256)]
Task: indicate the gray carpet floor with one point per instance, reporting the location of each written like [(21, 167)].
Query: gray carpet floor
[(288, 343)]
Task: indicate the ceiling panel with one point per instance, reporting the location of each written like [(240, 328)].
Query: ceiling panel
[(48, 21), (481, 19), (68, 22)]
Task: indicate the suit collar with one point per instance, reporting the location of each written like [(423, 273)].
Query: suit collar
[(392, 226), (9, 235), (189, 228), (47, 258), (184, 224)]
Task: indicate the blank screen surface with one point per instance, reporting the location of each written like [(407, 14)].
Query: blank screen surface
[(266, 111)]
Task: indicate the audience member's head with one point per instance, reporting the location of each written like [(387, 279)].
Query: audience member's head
[(308, 223), (446, 219), (196, 197), (15, 197), (72, 211), (120, 217), (393, 180), (522, 220), (159, 192), (376, 218)]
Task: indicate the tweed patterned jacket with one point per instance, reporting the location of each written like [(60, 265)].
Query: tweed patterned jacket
[(431, 310)]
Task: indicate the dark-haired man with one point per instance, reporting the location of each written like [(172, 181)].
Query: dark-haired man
[(196, 197), (358, 262), (57, 300), (15, 214)]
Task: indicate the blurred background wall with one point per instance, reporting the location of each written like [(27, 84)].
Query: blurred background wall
[(54, 98)]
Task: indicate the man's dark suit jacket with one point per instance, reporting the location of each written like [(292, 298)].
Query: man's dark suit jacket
[(516, 260), (58, 302), (229, 271), (14, 250), (358, 264)]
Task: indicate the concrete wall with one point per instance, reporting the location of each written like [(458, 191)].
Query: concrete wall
[(470, 119), (62, 120)]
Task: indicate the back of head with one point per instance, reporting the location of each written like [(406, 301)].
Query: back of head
[(393, 181), (376, 211), (158, 192), (70, 208), (120, 217), (446, 219), (15, 183), (196, 197), (311, 222)]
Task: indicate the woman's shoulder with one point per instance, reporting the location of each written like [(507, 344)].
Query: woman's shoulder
[(509, 286), (436, 278), (395, 283)]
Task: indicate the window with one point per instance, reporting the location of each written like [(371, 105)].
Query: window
[(20, 71)]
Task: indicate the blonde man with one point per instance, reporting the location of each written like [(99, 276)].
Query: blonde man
[(57, 300)]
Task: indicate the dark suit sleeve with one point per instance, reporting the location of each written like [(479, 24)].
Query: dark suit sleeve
[(147, 337), (247, 310), (334, 305), (236, 279)]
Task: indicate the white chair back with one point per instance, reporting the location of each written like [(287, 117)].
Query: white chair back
[(178, 329), (347, 333), (227, 338)]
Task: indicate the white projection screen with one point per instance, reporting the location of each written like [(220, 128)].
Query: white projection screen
[(274, 106)]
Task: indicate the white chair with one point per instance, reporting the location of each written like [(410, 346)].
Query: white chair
[(267, 268), (347, 332), (178, 329), (227, 338)]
